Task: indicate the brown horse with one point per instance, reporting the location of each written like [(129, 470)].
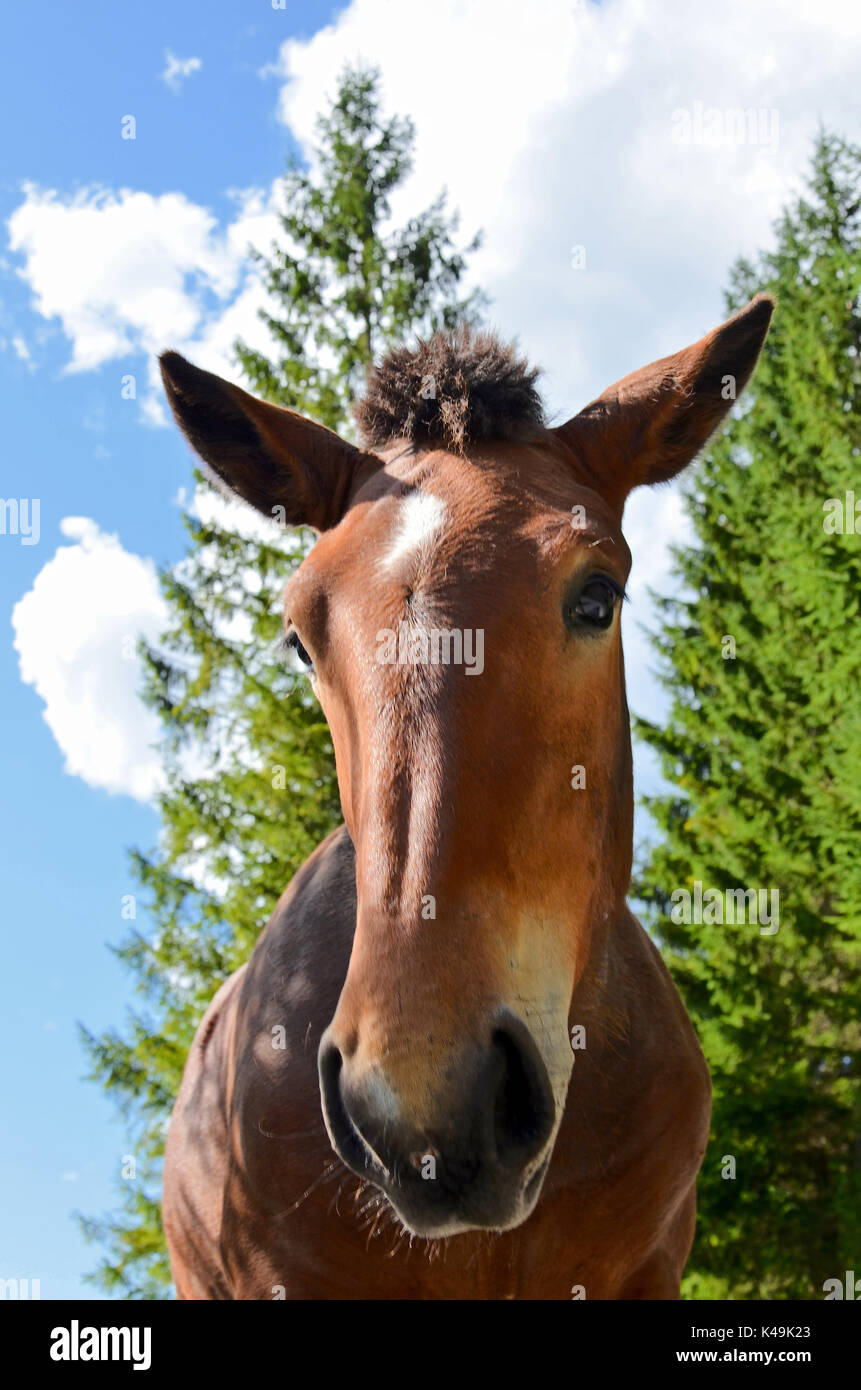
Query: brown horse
[(452, 993)]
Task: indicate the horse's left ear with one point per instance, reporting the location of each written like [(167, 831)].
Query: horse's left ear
[(649, 425), (283, 465)]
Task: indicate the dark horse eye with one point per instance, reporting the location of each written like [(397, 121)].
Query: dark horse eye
[(595, 604), (291, 641)]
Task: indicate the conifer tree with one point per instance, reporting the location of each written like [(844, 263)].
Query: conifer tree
[(762, 751), (251, 784)]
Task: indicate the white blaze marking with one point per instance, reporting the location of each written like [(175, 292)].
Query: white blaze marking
[(421, 517)]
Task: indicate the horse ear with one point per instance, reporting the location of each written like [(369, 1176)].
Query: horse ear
[(649, 425), (282, 464)]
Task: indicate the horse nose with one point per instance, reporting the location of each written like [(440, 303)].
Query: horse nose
[(487, 1127)]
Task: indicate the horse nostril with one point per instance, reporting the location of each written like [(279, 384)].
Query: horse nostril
[(329, 1064), (524, 1111), (344, 1134)]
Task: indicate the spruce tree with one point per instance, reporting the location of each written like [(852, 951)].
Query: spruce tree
[(762, 751), (251, 786)]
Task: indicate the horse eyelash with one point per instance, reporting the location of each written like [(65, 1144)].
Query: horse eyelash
[(285, 652), (283, 647), (621, 590), (622, 593)]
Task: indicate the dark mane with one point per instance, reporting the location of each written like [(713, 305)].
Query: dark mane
[(457, 388)]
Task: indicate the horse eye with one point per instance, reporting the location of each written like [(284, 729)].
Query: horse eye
[(292, 643), (595, 604)]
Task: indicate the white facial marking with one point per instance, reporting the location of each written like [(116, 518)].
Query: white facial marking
[(421, 517)]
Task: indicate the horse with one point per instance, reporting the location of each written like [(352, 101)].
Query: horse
[(452, 1002)]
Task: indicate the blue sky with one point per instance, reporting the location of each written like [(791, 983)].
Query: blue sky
[(552, 130)]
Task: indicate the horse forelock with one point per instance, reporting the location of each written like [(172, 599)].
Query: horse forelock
[(457, 388)]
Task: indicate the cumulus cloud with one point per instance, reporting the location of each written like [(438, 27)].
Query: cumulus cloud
[(75, 634), (178, 69), (150, 272)]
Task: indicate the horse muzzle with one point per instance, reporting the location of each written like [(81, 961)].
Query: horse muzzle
[(477, 1161)]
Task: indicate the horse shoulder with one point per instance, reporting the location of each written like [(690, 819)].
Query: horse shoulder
[(251, 1071), (196, 1152)]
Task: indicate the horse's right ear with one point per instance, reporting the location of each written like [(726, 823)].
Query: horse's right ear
[(285, 466)]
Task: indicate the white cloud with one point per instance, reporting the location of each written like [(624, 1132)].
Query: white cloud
[(149, 273), (178, 69), (75, 634), (115, 268)]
